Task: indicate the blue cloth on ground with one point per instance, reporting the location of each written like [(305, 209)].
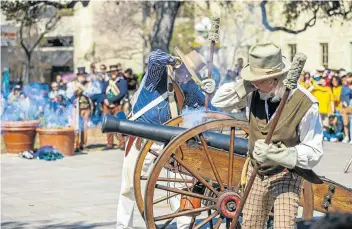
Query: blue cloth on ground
[(48, 153)]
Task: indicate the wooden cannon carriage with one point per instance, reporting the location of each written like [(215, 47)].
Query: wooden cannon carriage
[(206, 172)]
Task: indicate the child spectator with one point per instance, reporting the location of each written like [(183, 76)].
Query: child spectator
[(336, 86), (346, 107), (325, 98), (333, 129)]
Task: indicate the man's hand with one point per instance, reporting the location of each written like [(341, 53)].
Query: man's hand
[(208, 86), (243, 88), (277, 153)]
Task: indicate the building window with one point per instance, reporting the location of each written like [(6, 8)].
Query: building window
[(324, 54), (293, 50), (66, 41)]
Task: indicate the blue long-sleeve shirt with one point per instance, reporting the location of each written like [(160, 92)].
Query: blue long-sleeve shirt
[(156, 84)]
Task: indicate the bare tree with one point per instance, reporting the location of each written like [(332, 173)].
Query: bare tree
[(164, 23), (131, 21), (35, 19), (327, 11)]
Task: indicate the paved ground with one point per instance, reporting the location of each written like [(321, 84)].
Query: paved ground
[(82, 191)]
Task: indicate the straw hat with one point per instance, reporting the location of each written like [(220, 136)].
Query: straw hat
[(193, 61), (265, 61), (115, 68)]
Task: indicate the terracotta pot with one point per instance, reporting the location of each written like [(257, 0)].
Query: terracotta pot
[(19, 135), (61, 139)]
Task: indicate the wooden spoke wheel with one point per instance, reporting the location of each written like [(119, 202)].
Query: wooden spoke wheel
[(216, 170), (178, 121)]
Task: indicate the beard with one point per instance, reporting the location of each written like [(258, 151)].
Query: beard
[(274, 96), (266, 96)]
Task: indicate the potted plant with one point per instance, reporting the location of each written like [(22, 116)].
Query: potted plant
[(55, 130), (18, 127)]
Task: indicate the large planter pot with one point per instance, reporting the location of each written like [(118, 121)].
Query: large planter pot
[(19, 136), (61, 139)]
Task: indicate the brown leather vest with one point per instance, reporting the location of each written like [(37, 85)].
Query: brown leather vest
[(286, 129)]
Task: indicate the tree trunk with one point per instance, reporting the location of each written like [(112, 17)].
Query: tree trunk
[(162, 30), (27, 69)]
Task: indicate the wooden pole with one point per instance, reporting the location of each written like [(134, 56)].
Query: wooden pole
[(213, 37)]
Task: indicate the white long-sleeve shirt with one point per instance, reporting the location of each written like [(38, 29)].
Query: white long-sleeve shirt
[(310, 129)]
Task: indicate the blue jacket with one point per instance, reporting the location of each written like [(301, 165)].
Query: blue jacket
[(121, 84), (156, 85)]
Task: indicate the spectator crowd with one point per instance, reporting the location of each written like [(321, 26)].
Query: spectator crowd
[(79, 103), (333, 90)]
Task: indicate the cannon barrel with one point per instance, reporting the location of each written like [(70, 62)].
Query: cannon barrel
[(161, 133)]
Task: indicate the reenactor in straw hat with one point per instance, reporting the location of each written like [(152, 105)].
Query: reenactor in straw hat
[(296, 141), (115, 90)]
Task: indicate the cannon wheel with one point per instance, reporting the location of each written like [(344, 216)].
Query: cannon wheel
[(228, 192), (226, 175), (146, 149)]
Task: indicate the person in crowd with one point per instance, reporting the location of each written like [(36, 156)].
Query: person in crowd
[(346, 107), (2, 104), (61, 84), (115, 90), (325, 98), (238, 69), (103, 73), (77, 92), (132, 81), (94, 89), (15, 94), (336, 87), (327, 75), (132, 85), (301, 80), (228, 77), (318, 73), (16, 104), (56, 96), (333, 129), (308, 81)]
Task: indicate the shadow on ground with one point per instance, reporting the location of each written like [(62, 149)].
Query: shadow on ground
[(48, 224)]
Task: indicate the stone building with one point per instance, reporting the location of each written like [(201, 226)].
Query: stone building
[(108, 33)]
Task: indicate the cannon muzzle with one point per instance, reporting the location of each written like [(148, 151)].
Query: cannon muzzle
[(161, 133)]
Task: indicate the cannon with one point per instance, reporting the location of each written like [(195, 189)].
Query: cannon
[(165, 134), (198, 157)]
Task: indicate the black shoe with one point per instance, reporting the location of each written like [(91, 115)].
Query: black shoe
[(81, 147), (77, 150), (108, 148)]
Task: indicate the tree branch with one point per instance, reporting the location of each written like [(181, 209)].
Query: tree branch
[(265, 22)]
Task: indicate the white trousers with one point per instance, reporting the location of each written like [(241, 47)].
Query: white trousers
[(126, 201)]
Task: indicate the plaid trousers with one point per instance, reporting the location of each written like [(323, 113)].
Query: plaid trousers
[(280, 191)]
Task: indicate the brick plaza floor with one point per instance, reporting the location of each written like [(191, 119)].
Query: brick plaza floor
[(82, 191)]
